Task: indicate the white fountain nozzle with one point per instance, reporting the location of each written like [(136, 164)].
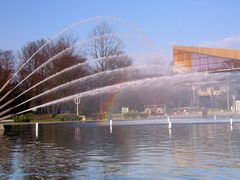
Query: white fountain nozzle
[(36, 126), (36, 130), (110, 122), (169, 125)]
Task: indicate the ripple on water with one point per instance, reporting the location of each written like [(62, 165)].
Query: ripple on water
[(200, 151)]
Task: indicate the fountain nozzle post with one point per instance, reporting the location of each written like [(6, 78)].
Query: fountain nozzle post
[(110, 123), (36, 130), (169, 123)]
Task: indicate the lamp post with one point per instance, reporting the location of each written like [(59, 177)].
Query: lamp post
[(77, 102)]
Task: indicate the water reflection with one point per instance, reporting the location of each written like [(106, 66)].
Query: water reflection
[(142, 151)]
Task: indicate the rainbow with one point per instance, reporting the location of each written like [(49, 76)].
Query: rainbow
[(110, 101)]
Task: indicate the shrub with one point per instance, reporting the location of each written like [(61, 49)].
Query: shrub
[(143, 115), (67, 117), (22, 118)]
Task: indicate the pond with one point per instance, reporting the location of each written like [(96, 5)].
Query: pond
[(127, 151)]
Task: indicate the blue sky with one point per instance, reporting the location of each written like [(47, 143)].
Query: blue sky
[(181, 22)]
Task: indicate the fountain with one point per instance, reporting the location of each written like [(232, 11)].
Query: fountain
[(79, 23), (49, 61), (161, 136), (143, 83), (154, 80)]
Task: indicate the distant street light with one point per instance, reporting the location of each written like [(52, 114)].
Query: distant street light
[(77, 102)]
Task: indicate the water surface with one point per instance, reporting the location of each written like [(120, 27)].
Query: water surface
[(91, 151)]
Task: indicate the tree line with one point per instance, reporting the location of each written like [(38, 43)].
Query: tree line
[(104, 46), (103, 53)]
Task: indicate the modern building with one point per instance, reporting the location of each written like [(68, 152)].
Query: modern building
[(212, 60), (200, 59)]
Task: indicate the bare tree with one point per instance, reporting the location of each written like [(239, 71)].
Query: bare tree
[(66, 60), (7, 60), (41, 57), (6, 65), (105, 42)]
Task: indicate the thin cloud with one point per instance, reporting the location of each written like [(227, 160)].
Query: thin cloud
[(232, 42)]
